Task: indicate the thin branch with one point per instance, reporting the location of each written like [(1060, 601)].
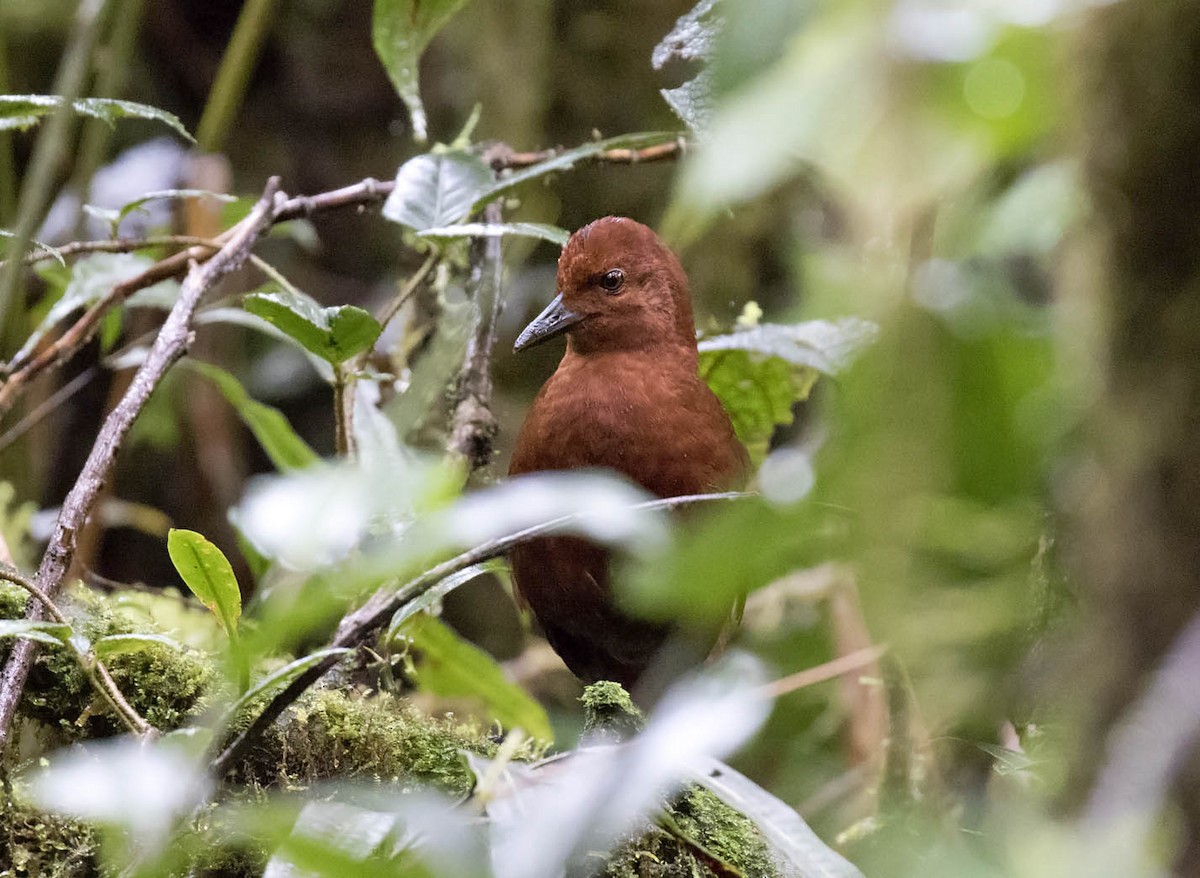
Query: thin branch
[(360, 624), (473, 426), (366, 192), (172, 342), (91, 664), (112, 245), (406, 292), (830, 670)]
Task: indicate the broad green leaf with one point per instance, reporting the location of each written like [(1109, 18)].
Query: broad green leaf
[(335, 334), (137, 203), (53, 251), (279, 679), (120, 644), (757, 391), (761, 371), (495, 230), (401, 29), (437, 189), (43, 632), (281, 443), (92, 278), (207, 572), (448, 665), (19, 112)]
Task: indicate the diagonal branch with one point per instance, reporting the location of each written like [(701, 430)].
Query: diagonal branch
[(360, 624), (172, 342)]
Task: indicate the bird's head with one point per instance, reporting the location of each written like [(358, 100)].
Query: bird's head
[(619, 288)]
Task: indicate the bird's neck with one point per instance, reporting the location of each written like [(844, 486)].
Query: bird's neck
[(653, 348)]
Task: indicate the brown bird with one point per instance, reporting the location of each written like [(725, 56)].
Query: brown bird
[(627, 396)]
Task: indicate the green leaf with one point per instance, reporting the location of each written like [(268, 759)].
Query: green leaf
[(495, 230), (401, 29), (207, 572), (279, 679), (43, 632), (281, 443), (92, 278), (691, 41), (825, 345), (757, 391), (19, 112), (335, 334), (450, 666), (121, 644), (436, 190), (137, 203)]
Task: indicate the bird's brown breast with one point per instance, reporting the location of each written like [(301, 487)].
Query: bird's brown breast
[(649, 417)]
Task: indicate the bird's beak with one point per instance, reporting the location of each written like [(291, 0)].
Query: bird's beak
[(557, 318)]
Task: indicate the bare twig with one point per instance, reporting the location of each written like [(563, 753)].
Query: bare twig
[(111, 245), (473, 427), (91, 664), (830, 670), (171, 343), (501, 157), (360, 624), (406, 291)]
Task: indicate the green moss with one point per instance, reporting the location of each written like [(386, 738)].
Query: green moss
[(697, 836), (44, 846), (608, 710), (163, 684), (330, 733)]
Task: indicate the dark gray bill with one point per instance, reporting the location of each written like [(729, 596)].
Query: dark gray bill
[(555, 319)]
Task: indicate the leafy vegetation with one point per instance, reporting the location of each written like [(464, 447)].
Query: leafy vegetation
[(963, 367)]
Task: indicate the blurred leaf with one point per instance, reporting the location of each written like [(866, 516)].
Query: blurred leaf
[(140, 787), (789, 836), (53, 251), (207, 572), (494, 230), (335, 334), (451, 666), (15, 521), (401, 30), (436, 190), (279, 680), (92, 278), (43, 632), (1007, 761), (19, 112), (281, 443), (701, 579), (121, 644), (554, 820), (173, 194)]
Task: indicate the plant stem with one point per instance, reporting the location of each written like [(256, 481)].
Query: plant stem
[(341, 414), (8, 171), (233, 76), (38, 185), (110, 82)]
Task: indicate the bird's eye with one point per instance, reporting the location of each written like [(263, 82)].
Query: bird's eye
[(612, 280)]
